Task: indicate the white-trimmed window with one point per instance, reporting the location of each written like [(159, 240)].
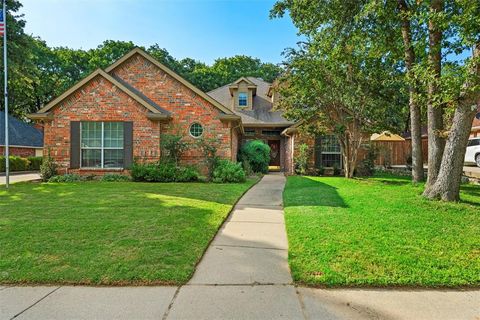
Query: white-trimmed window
[(242, 99), (101, 144), (331, 152), (196, 130)]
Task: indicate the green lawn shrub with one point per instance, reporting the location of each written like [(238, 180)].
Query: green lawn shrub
[(227, 172), (16, 163), (163, 172), (35, 163), (114, 177), (71, 177), (257, 154)]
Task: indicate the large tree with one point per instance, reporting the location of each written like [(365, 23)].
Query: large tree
[(338, 77), (407, 11), (461, 94)]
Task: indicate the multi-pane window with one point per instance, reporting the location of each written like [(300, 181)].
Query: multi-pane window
[(271, 132), (331, 155), (101, 144), (249, 132), (196, 130), (242, 99)]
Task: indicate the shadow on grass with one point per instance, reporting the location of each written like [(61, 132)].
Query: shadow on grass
[(305, 191)]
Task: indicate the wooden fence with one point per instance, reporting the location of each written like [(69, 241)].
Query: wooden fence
[(397, 152)]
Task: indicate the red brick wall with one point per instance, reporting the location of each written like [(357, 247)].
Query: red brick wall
[(100, 100), (19, 152), (184, 104)]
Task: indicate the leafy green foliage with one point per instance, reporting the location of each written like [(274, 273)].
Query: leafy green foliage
[(15, 163), (48, 168), (228, 171), (109, 233), (209, 150), (163, 172), (172, 146), (257, 154), (113, 177), (34, 163), (69, 177), (301, 160), (379, 232)]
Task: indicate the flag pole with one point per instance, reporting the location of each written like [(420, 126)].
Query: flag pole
[(7, 162)]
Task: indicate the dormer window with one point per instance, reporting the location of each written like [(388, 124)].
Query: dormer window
[(242, 99)]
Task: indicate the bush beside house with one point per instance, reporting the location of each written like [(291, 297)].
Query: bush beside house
[(21, 164), (257, 154)]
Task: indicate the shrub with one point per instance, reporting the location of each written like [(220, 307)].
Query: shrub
[(15, 163), (66, 178), (247, 168), (48, 168), (172, 147), (209, 151), (336, 170), (257, 154), (367, 166), (35, 163), (163, 172), (228, 171), (301, 161), (113, 177)]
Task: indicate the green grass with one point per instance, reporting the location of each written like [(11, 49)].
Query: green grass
[(380, 232), (109, 233)]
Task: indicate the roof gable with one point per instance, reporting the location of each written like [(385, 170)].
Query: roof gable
[(171, 73), (150, 105)]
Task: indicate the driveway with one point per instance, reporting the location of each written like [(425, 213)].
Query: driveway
[(20, 177), (243, 275)]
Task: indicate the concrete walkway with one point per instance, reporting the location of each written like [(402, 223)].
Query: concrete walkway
[(20, 177), (243, 275)]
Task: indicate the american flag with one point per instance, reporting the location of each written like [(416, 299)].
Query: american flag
[(2, 23)]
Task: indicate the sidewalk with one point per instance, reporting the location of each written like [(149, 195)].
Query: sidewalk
[(243, 275), (20, 177)]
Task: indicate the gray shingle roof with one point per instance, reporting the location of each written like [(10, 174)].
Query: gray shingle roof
[(20, 133), (261, 112)]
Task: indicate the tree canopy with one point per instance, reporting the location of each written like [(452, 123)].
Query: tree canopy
[(38, 73)]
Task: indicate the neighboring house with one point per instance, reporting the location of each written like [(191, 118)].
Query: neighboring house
[(24, 139), (118, 115)]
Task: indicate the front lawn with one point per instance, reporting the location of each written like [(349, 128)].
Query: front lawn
[(109, 233), (380, 232)]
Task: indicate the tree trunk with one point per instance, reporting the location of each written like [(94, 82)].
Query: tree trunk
[(415, 114), (436, 143), (447, 185)]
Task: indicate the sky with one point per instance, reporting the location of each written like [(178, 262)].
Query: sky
[(201, 29)]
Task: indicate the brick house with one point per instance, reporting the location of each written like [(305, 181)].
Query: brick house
[(118, 115), (25, 140)]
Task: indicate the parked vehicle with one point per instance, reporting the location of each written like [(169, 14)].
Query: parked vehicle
[(473, 151)]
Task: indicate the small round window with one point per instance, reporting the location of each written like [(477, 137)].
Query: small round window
[(196, 130)]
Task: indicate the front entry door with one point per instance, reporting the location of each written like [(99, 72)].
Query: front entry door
[(274, 152)]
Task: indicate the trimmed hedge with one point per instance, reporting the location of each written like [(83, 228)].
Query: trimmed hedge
[(228, 171), (35, 163), (163, 172), (16, 163), (257, 154), (21, 164)]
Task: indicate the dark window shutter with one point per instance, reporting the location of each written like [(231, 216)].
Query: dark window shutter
[(127, 144), (75, 144)]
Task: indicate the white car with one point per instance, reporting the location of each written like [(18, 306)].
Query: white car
[(473, 151)]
